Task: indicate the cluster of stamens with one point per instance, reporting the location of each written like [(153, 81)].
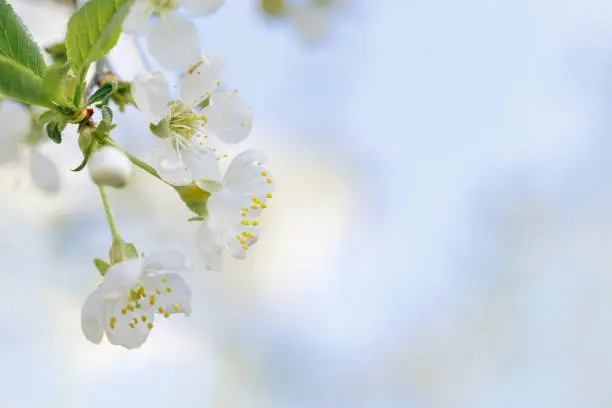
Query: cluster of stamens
[(137, 296), (187, 126), (258, 204)]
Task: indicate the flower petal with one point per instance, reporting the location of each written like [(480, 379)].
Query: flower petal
[(241, 162), (44, 172), (174, 43), (168, 260), (92, 314), (169, 293), (235, 248), (210, 245), (203, 166), (130, 329), (201, 81), (138, 20), (202, 7), (151, 94), (169, 164), (16, 124), (123, 276), (229, 117)]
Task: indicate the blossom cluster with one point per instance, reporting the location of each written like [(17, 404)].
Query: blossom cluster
[(199, 124), (196, 122)]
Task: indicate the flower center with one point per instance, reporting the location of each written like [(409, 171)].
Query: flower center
[(138, 302), (188, 128)]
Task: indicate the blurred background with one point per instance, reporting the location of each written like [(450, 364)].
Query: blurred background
[(440, 234)]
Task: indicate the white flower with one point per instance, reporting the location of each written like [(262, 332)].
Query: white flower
[(133, 291), (234, 209), (194, 136), (172, 40), (109, 167), (19, 142)]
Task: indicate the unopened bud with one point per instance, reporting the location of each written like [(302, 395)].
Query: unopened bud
[(109, 167)]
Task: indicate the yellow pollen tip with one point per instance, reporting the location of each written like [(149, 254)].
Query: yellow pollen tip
[(135, 320), (255, 223), (158, 291), (161, 309), (176, 307), (166, 315), (263, 173), (269, 180), (168, 289), (164, 280), (132, 325), (149, 326), (152, 300), (123, 311), (269, 195), (218, 83), (130, 308), (143, 318), (264, 206)]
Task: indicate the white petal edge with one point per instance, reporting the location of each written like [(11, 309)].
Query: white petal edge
[(123, 275), (168, 260), (174, 43), (202, 165), (240, 163), (92, 315), (138, 20), (169, 164), (229, 117), (201, 81), (151, 94)]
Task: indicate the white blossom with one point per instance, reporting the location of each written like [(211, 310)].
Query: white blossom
[(195, 137), (19, 144), (234, 209), (171, 38), (132, 293), (109, 167)]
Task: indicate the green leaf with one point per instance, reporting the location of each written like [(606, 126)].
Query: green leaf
[(93, 31), (88, 145), (103, 93), (101, 265), (49, 116), (195, 198), (21, 84), (16, 42), (57, 86), (107, 114), (54, 132), (58, 53)]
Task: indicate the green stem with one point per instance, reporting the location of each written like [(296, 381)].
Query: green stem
[(109, 216)]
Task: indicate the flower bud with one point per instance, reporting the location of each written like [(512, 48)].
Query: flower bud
[(109, 167)]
